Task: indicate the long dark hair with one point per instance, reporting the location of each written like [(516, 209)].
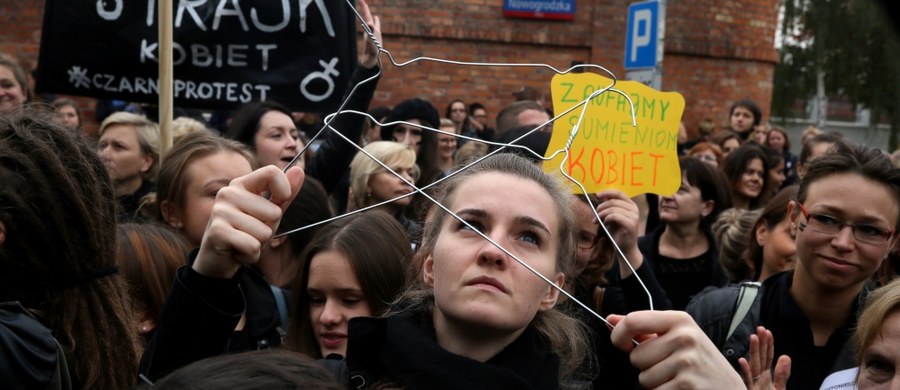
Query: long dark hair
[(245, 123), (378, 250), (58, 258), (735, 165)]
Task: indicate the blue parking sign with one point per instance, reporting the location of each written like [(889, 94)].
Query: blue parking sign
[(642, 35)]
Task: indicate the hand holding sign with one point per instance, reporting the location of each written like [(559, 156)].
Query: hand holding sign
[(608, 152)]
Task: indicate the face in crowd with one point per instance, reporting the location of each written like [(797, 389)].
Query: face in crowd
[(409, 135), (67, 116), (457, 112), (741, 119), (12, 93), (477, 286), (844, 228), (750, 184), (686, 206), (446, 143), (126, 162), (277, 141), (335, 296)]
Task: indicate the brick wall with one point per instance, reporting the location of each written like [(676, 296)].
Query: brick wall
[(717, 51), (21, 37)]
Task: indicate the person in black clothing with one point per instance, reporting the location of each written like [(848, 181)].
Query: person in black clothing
[(602, 280), (58, 281), (354, 267), (269, 130), (844, 218), (475, 317), (682, 251)]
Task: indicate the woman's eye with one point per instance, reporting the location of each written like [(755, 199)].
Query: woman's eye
[(472, 225), (316, 301), (351, 301), (531, 238), (825, 220)]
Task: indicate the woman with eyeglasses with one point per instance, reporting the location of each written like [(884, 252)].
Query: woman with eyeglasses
[(682, 250), (844, 218), (707, 152), (608, 286)]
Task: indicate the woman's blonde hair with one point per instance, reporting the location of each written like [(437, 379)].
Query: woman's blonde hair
[(879, 306), (362, 167), (565, 334), (147, 135)]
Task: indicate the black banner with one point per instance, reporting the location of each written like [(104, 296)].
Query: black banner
[(300, 53)]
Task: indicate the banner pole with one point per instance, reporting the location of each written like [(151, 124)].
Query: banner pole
[(166, 100)]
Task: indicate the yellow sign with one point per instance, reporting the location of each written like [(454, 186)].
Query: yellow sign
[(608, 151)]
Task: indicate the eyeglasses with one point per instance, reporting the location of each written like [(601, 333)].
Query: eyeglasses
[(458, 110), (830, 225), (586, 241)]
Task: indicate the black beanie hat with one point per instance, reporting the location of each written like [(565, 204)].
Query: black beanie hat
[(411, 109)]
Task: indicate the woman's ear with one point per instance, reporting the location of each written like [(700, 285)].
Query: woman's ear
[(793, 216), (147, 163), (762, 233), (428, 270), (146, 322), (170, 215), (552, 295), (2, 234), (708, 206)]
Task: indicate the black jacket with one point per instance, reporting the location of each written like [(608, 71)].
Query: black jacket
[(713, 310), (30, 357), (333, 157), (200, 314), (649, 247)]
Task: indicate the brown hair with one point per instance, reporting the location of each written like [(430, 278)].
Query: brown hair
[(733, 230), (58, 259), (861, 160), (266, 369), (565, 334), (148, 256), (378, 250)]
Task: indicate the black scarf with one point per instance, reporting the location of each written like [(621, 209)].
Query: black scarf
[(401, 350)]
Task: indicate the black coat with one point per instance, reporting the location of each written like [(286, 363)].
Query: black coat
[(200, 314)]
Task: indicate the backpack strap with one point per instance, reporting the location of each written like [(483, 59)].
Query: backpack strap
[(745, 299), (282, 305)]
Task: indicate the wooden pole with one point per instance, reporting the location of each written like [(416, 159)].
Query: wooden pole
[(166, 99)]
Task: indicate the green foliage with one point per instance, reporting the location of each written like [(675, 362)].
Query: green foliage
[(853, 42)]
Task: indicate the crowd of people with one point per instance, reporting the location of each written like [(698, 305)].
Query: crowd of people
[(233, 260)]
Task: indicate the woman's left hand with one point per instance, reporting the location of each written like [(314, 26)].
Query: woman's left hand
[(757, 373), (621, 217)]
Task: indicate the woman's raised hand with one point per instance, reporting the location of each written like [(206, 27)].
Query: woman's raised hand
[(243, 220)]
